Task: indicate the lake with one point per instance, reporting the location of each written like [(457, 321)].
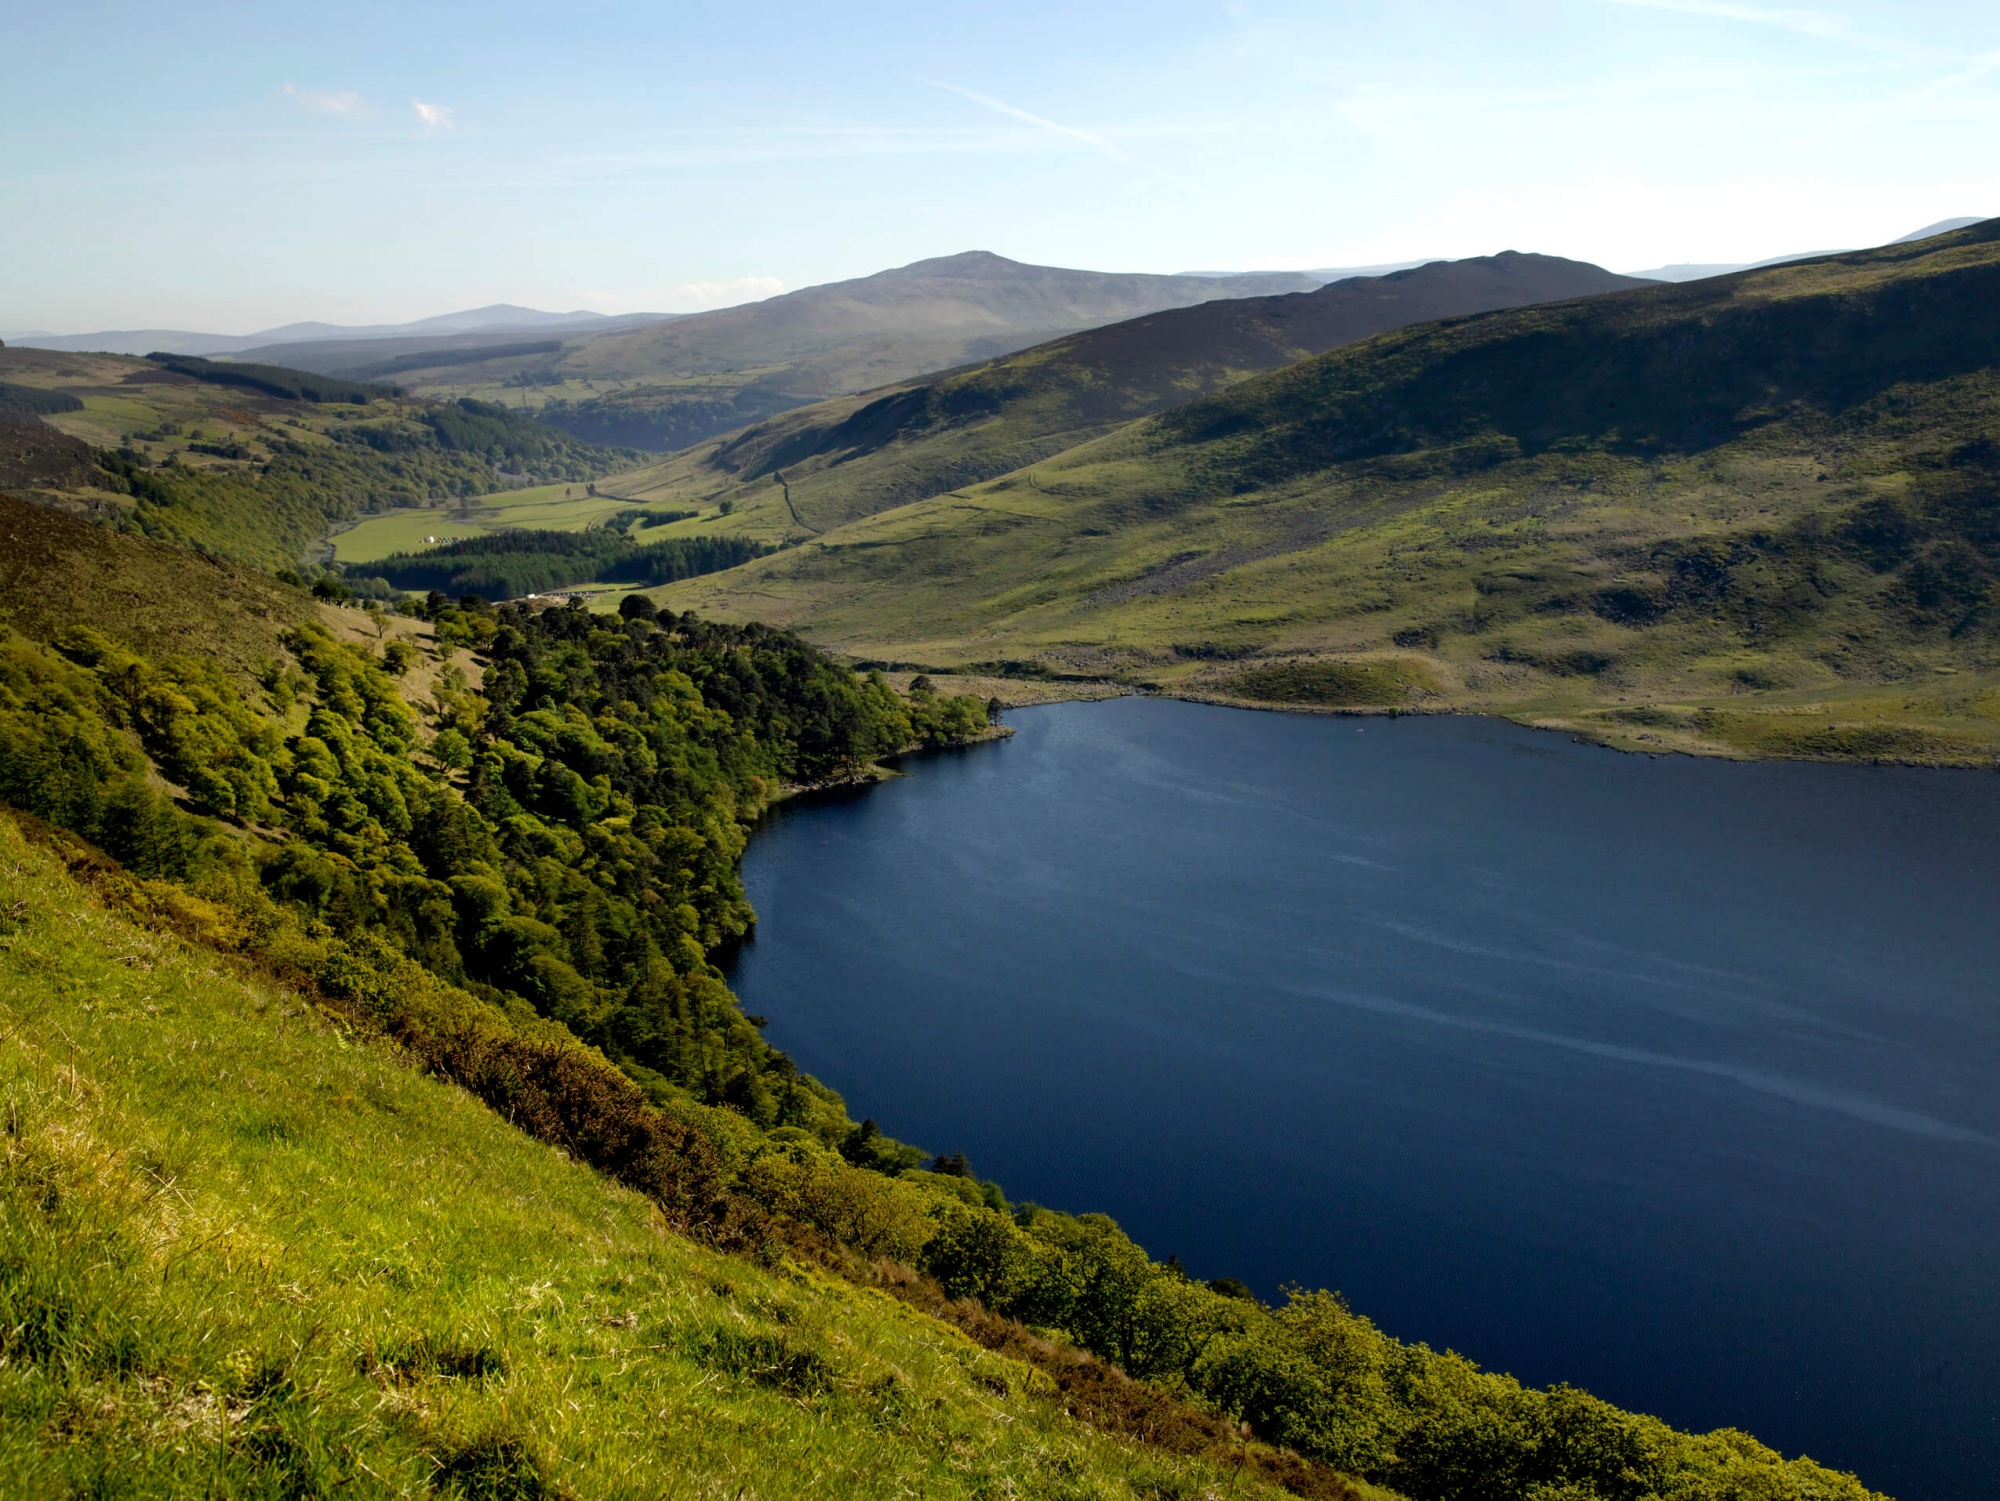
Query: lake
[(1673, 1079)]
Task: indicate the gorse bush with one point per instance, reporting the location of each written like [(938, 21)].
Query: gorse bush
[(584, 872)]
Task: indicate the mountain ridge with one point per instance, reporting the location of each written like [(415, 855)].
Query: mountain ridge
[(895, 445), (681, 383), (499, 317), (970, 294), (1685, 516)]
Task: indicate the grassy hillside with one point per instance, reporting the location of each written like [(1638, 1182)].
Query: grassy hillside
[(58, 570), (1752, 515), (669, 385), (243, 1253), (815, 469), (254, 462)]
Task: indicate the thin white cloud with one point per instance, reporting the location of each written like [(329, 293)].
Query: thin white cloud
[(433, 116), (1978, 68), (1095, 142), (1855, 121), (343, 102), (1805, 22), (1813, 23)]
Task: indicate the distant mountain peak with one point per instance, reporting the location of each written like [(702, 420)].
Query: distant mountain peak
[(966, 263)]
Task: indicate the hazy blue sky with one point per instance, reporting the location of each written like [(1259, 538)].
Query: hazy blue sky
[(231, 166)]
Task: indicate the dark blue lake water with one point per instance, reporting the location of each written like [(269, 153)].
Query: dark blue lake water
[(1673, 1079)]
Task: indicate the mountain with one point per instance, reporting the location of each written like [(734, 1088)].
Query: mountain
[(712, 372), (964, 302), (1691, 271), (1758, 514), (364, 356), (269, 343), (844, 459), (494, 317)]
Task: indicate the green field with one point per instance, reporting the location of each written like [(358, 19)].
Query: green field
[(1744, 517), (559, 508)]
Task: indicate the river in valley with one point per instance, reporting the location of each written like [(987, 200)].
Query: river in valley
[(1673, 1079)]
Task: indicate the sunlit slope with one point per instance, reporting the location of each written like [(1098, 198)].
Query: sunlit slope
[(1650, 514), (808, 471), (58, 570), (244, 1255), (668, 385)]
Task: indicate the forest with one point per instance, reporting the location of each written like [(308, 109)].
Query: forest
[(506, 565), (274, 380)]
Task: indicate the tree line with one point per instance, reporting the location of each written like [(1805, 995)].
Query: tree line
[(507, 565)]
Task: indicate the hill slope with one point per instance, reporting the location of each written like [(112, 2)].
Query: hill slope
[(58, 570), (679, 383), (845, 459), (1644, 514)]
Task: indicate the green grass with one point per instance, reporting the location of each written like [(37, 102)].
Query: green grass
[(555, 508), (1716, 501), (243, 1253)]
